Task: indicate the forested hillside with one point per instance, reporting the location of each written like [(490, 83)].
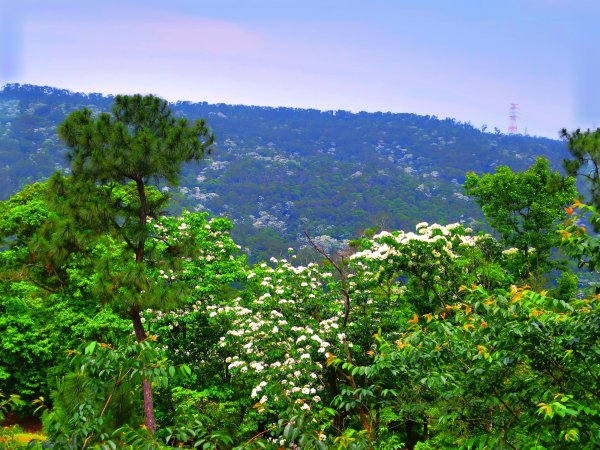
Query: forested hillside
[(126, 326), (276, 172)]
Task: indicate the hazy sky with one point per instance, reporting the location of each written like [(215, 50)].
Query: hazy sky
[(466, 59)]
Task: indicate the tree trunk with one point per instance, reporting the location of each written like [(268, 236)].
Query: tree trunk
[(138, 326), (338, 420), (140, 334), (412, 437)]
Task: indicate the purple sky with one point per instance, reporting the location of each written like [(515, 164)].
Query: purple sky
[(450, 58)]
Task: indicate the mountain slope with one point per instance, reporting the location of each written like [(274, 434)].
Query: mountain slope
[(279, 171)]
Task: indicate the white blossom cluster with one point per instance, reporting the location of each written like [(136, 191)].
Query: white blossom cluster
[(399, 243), (199, 274), (280, 336)]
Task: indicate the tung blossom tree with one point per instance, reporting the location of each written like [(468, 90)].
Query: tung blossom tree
[(287, 340)]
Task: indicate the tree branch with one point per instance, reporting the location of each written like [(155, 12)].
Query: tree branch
[(341, 271)]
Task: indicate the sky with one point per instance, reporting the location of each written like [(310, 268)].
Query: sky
[(463, 59)]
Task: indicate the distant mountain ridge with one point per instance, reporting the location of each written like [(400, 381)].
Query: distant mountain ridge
[(279, 171)]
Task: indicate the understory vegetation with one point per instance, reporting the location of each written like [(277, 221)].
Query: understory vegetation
[(125, 327)]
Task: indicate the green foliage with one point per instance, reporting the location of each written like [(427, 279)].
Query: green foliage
[(279, 171), (566, 286), (101, 394), (140, 140), (46, 309), (585, 249), (585, 162), (495, 362), (27, 350), (524, 208), (576, 239), (424, 339), (23, 214), (113, 157), (7, 403)]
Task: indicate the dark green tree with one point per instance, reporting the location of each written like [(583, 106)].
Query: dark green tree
[(44, 309), (114, 158), (524, 207), (585, 149)]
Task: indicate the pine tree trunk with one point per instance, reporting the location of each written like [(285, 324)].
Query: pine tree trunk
[(140, 334), (138, 326)]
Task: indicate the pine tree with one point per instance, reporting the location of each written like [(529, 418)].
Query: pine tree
[(585, 149), (114, 158)]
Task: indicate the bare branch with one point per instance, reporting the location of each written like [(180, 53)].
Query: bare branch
[(341, 271)]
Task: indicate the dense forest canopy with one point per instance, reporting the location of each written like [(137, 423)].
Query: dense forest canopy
[(276, 172), (127, 326)]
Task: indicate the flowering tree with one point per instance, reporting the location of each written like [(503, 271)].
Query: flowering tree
[(201, 279), (296, 333), (278, 334), (103, 381), (508, 367), (434, 262)]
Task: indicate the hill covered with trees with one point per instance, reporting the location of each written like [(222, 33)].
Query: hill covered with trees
[(276, 172), (123, 325)]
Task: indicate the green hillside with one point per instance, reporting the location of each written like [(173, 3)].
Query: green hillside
[(279, 171), (127, 325)]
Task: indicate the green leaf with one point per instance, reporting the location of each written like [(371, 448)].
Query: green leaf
[(90, 348), (185, 370)]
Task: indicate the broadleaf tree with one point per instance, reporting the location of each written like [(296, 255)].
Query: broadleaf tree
[(114, 159), (524, 207)]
